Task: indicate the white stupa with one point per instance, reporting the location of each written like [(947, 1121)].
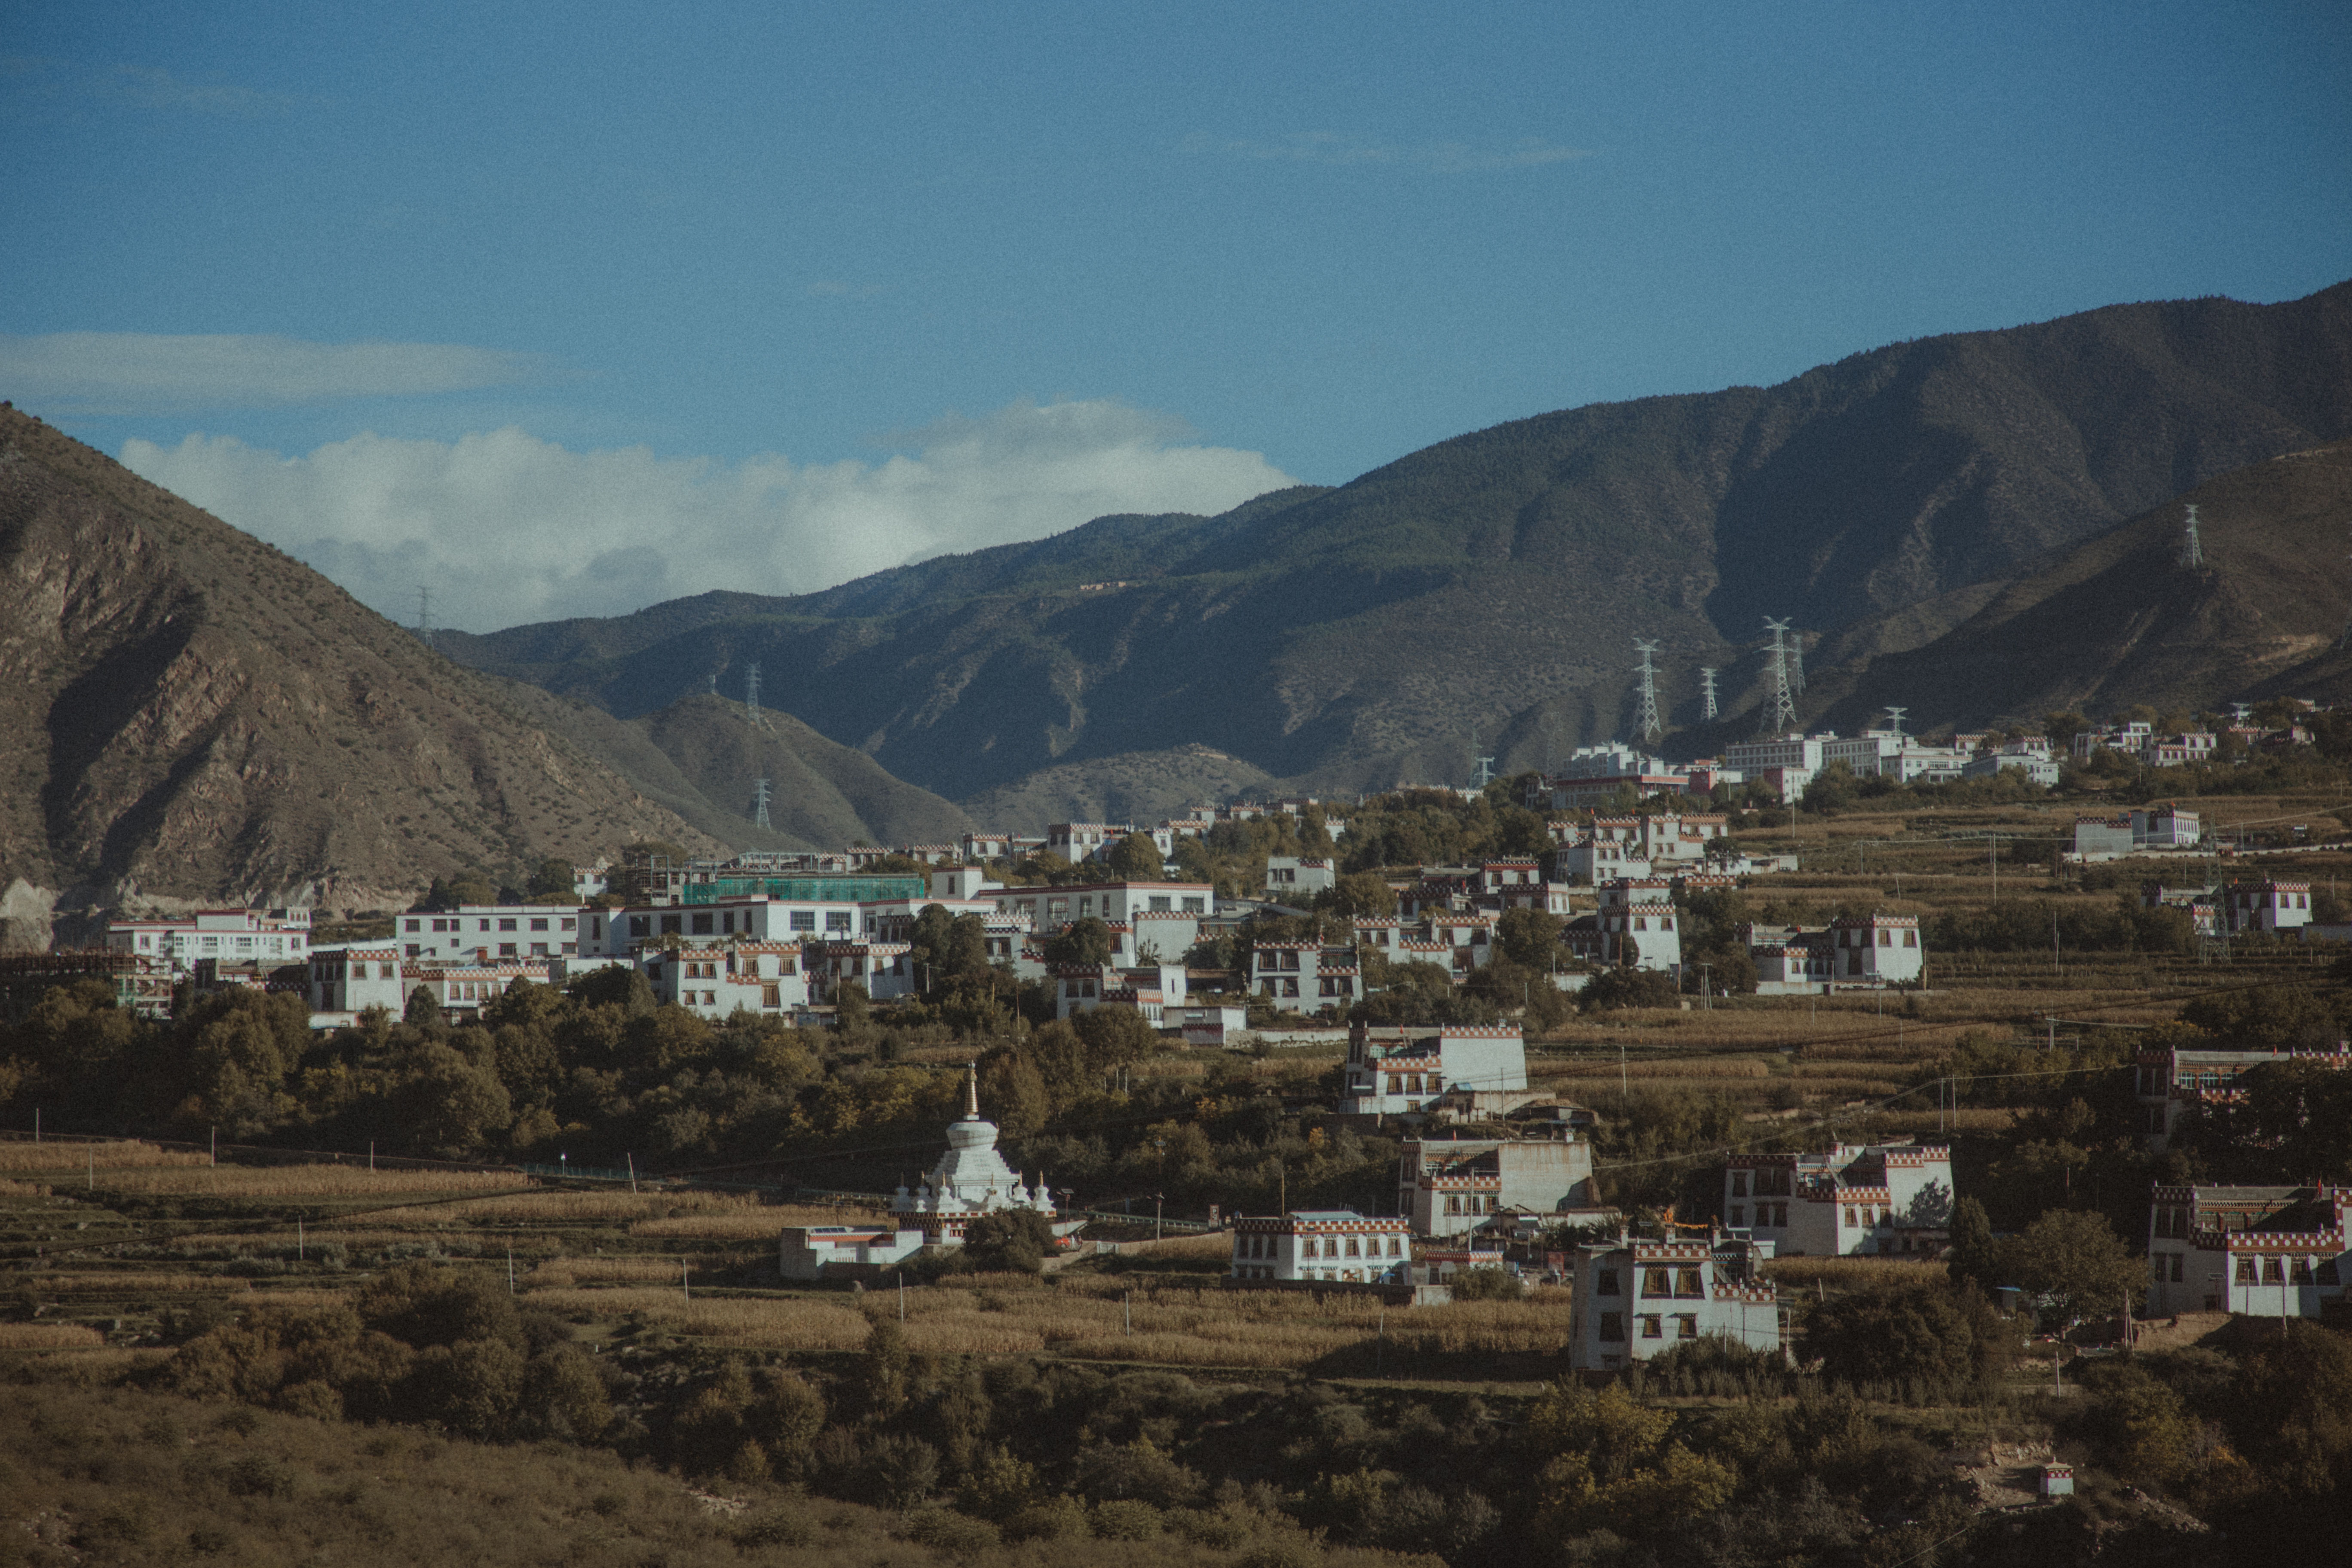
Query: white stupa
[(972, 1178)]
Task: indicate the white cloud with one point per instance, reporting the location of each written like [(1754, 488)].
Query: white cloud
[(1446, 157), (117, 372), (507, 528)]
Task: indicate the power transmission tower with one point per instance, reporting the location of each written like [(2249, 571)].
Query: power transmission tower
[(1894, 719), (759, 803), (2192, 553), (1482, 767), (1648, 723), (1797, 663), (752, 698), (1707, 690), (424, 615), (1782, 717)]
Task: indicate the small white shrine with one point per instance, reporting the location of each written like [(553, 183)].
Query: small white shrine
[(972, 1178)]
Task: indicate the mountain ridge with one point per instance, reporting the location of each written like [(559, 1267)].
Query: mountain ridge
[(1490, 584)]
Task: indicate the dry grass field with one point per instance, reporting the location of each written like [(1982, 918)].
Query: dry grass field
[(22, 1155)]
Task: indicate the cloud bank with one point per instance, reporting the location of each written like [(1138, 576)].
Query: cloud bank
[(118, 372), (506, 528)]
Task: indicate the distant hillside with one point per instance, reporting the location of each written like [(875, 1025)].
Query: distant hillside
[(187, 714), (822, 794), (1134, 787), (1489, 586), (2119, 621)]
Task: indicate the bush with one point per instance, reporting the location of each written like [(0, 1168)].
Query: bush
[(950, 1533), (1615, 988), (1487, 1284), (1055, 1519), (1126, 1519), (776, 1527)]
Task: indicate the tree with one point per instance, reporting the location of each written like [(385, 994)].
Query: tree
[(1008, 1241), (1628, 987), (1529, 937), (1115, 1033), (1973, 1254), (1136, 858), (1362, 893), (1946, 1342), (2075, 1262), (421, 1011), (549, 879), (1085, 943)]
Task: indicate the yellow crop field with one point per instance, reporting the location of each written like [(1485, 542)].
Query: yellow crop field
[(49, 1337), (1679, 1067), (1849, 1273), (52, 1155), (748, 1224), (124, 1281), (302, 1182)]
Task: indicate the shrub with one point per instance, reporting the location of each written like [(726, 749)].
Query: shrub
[(1487, 1284), (1126, 1519), (775, 1527), (950, 1533), (1055, 1519)]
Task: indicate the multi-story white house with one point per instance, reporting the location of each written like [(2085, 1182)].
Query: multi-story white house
[(1876, 949), (461, 989), (1306, 977), (1335, 1247), (485, 933), (263, 937), (1635, 926), (1153, 990), (2266, 906), (2166, 827), (1788, 762), (1399, 1074), (716, 981), (355, 978), (1298, 874), (1451, 1186), (2263, 1252), (1878, 1199), (1636, 1298)]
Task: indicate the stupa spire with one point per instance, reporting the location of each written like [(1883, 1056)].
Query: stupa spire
[(971, 1091)]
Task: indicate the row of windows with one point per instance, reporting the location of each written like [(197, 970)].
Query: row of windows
[(2279, 1271), (1769, 1180), (1653, 1325), (1329, 1247), (1768, 1216), (507, 922), (1453, 1205), (1668, 1281), (836, 923)]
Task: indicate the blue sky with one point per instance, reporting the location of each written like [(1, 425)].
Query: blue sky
[(858, 284)]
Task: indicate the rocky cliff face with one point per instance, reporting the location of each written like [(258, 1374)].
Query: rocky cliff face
[(188, 715)]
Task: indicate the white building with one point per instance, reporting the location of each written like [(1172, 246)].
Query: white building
[(2268, 906), (2263, 1252), (1154, 990), (2166, 827), (970, 1179), (1391, 1073), (1335, 1247), (1306, 977), (839, 1251), (483, 934), (1296, 873), (270, 937), (1876, 949), (2037, 767), (1051, 909), (355, 978), (1635, 927), (463, 989), (716, 981), (1634, 1300), (1789, 763), (1451, 1186), (1879, 1199)]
